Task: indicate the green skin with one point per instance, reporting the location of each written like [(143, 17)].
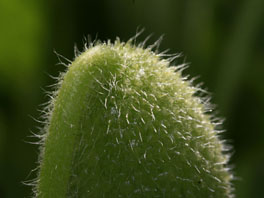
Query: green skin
[(125, 124)]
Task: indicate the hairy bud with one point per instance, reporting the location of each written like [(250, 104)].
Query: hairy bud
[(124, 123)]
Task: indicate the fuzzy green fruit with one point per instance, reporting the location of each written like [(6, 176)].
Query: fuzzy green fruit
[(125, 124)]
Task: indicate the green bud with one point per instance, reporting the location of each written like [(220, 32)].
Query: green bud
[(124, 123)]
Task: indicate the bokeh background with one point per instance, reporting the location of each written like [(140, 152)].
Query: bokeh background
[(222, 40)]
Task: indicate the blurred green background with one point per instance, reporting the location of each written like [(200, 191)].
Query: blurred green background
[(221, 39)]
